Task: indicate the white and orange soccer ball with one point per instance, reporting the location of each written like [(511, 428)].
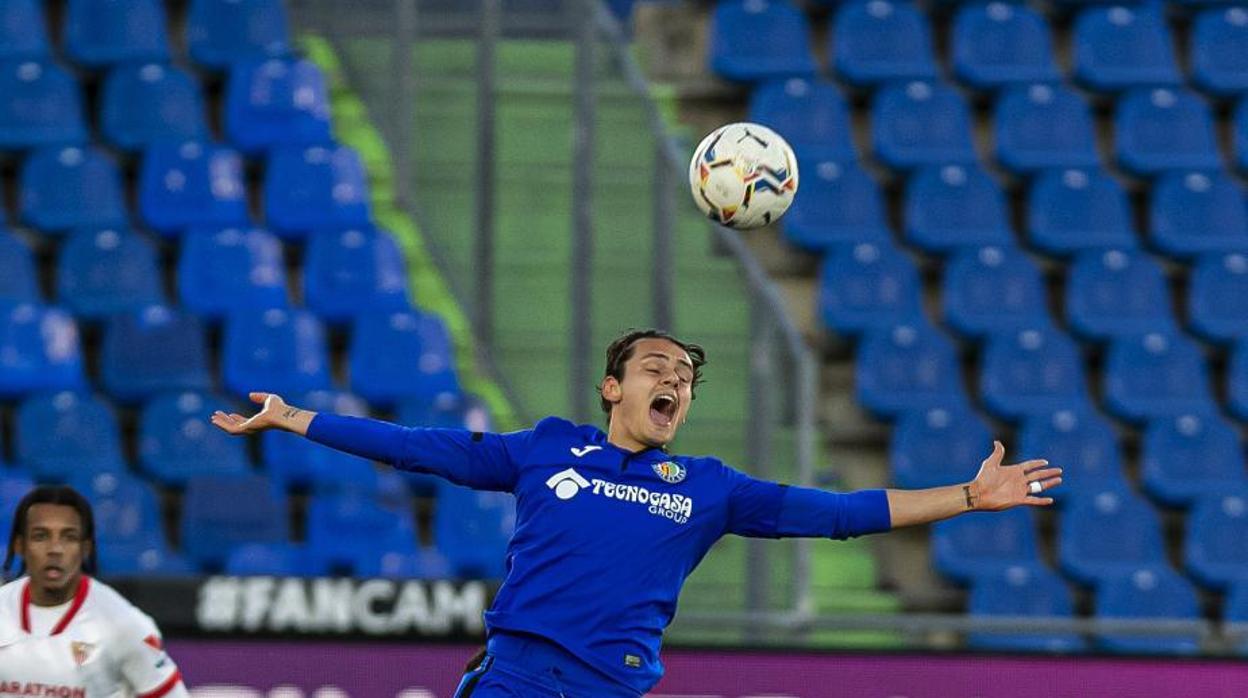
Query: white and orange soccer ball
[(743, 175)]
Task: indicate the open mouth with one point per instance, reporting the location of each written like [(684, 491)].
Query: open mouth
[(53, 572), (663, 410)]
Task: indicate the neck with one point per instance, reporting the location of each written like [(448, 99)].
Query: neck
[(618, 436), (45, 596)]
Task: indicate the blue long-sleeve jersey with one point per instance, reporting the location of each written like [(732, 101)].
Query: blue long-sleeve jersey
[(604, 537)]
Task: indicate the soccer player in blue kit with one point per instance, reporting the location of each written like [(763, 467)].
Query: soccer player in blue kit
[(609, 525)]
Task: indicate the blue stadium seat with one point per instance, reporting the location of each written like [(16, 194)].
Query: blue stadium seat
[(23, 30), (1239, 134), (1215, 548), (98, 33), (152, 350), (920, 123), (752, 40), (906, 367), (877, 41), (191, 183), (144, 560), (315, 187), (1237, 382), (342, 527), (229, 269), (1190, 455), (1044, 126), (1112, 293), (401, 354), (1154, 375), (276, 102), (71, 187), (57, 435), (810, 114), (1069, 211), (274, 559), (1195, 212), (347, 271), (127, 509), (422, 563), (1164, 129), (1219, 64), (999, 43), (1106, 532), (150, 103), (40, 350), (955, 206), (1120, 47), (14, 485), (39, 106), (297, 462), (1035, 370), (938, 446), (1082, 442), (1217, 297), (274, 351), (19, 280), (177, 441), (1149, 592), (1022, 590), (993, 289), (220, 512), (473, 529), (868, 286), (101, 273), (983, 543), (222, 32), (840, 205)]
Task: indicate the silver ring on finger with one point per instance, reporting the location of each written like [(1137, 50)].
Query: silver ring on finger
[(1035, 487)]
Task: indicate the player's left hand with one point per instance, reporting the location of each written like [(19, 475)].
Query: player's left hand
[(999, 487)]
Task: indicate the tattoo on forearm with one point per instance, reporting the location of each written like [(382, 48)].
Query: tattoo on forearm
[(291, 412), (970, 499)]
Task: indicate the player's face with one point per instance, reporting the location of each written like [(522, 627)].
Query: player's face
[(53, 547), (654, 396)]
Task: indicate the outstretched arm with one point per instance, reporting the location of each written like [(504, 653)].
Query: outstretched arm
[(275, 414)]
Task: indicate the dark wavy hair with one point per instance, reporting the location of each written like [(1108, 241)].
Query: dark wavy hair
[(52, 494), (621, 350)]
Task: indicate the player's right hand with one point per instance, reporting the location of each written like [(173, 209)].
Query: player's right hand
[(267, 418)]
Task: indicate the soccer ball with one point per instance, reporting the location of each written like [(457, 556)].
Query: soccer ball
[(743, 175)]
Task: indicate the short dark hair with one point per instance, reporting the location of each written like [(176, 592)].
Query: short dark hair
[(52, 494), (621, 350)]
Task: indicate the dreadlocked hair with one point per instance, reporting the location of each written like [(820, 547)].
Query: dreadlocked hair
[(51, 494)]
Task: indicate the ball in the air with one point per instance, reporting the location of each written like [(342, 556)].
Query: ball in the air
[(743, 175)]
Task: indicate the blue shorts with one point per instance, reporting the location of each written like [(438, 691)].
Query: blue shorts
[(525, 666)]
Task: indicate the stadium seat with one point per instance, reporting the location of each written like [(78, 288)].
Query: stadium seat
[(1032, 370), (423, 563), (810, 114), (40, 106), (14, 485), (993, 289), (906, 367), (222, 32), (299, 463), (1215, 548), (19, 280), (1164, 129), (868, 286), (1022, 590), (1149, 592), (221, 512), (840, 205), (878, 41), (753, 40), (152, 350), (274, 351), (177, 441), (150, 103), (1106, 532), (1190, 455), (57, 435), (101, 273), (343, 527), (954, 206), (276, 102), (1120, 47), (401, 354), (1218, 62), (191, 183), (472, 529), (1082, 442), (1195, 212), (313, 188), (274, 559), (348, 271), (1158, 374), (1116, 292), (999, 43), (229, 269), (1217, 297), (920, 123), (1041, 126), (98, 33), (1237, 382), (938, 446), (71, 187), (982, 543), (126, 508), (23, 30), (1069, 211), (39, 350), (144, 560)]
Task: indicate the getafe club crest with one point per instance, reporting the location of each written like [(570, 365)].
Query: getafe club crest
[(82, 651), (670, 471)]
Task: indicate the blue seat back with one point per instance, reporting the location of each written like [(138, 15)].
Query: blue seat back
[(297, 462), (1078, 209), (1164, 129), (1078, 440), (40, 105), (953, 206), (152, 350), (1121, 46), (59, 434), (342, 526), (275, 351), (1104, 532), (1195, 212), (103, 32), (41, 350), (23, 29), (982, 543), (105, 272), (1148, 592), (810, 114), (1190, 455), (1217, 297), (276, 102), (315, 187), (347, 271), (868, 286), (1116, 292), (1042, 126), (19, 282), (938, 446), (473, 529), (999, 43), (1034, 370), (1022, 590), (402, 354), (222, 270), (840, 206), (1156, 375), (177, 439), (191, 183), (920, 123), (220, 512), (126, 509), (71, 187), (993, 289), (147, 103), (909, 366), (753, 40), (874, 41), (221, 32), (1216, 543)]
